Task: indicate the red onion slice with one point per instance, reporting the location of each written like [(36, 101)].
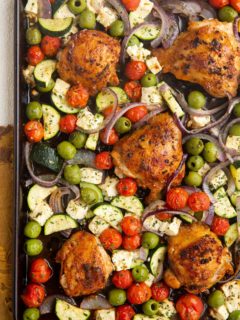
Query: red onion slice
[(210, 215), (44, 9), (148, 117), (143, 254), (95, 302), (238, 216), (48, 305), (175, 174), (55, 200), (236, 28), (154, 206), (119, 7), (170, 211)]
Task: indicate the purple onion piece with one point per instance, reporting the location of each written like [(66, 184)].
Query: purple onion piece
[(143, 254), (48, 305), (150, 115), (95, 302), (119, 7), (44, 9), (175, 174), (66, 233), (210, 215), (55, 200), (170, 211), (236, 28)]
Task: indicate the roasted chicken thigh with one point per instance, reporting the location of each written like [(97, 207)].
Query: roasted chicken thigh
[(208, 53)]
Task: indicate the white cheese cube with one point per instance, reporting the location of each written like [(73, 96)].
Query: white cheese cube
[(166, 309), (123, 259), (107, 16), (233, 142), (77, 209), (196, 122), (151, 95), (204, 170), (105, 314), (41, 213), (142, 11), (31, 7), (164, 227), (109, 188), (149, 280), (231, 291), (153, 65), (138, 53), (173, 227), (218, 180), (95, 5), (219, 313)]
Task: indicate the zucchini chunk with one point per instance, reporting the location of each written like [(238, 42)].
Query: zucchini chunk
[(59, 222), (51, 119), (43, 72), (55, 27), (66, 311)]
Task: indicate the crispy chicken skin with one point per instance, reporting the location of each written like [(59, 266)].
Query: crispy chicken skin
[(197, 259), (90, 58), (151, 154), (85, 265), (208, 54)]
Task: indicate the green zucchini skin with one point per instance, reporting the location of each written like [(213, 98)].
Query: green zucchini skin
[(46, 157), (55, 27)]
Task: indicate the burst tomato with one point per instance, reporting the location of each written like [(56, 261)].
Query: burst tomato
[(160, 291), (50, 46), (139, 293), (137, 113), (122, 279), (177, 198), (68, 123), (34, 131), (198, 201), (131, 225), (77, 96), (109, 110), (131, 243), (103, 160), (33, 295), (163, 216), (127, 186), (111, 239), (135, 70), (218, 3), (134, 90), (40, 271), (124, 312), (220, 226), (131, 5), (113, 137), (189, 307), (34, 55), (235, 4)]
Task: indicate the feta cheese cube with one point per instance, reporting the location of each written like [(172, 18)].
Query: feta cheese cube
[(109, 188), (41, 213), (95, 5), (166, 309), (123, 259), (149, 280), (219, 313), (153, 65), (231, 291), (31, 7), (138, 53), (105, 314), (218, 180), (164, 227), (173, 227), (233, 142), (151, 95), (204, 170), (77, 209), (196, 122), (142, 11), (107, 16)]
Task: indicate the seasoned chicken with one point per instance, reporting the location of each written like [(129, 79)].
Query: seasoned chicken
[(85, 265), (90, 58), (151, 154), (208, 54), (197, 259)]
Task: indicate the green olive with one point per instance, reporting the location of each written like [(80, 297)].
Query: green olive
[(234, 130), (140, 273), (32, 229), (227, 14), (78, 139), (87, 20), (117, 297), (77, 6), (150, 307), (31, 314), (72, 174), (34, 110), (193, 179), (210, 152), (235, 315), (195, 163), (33, 247), (133, 41), (150, 240), (117, 29), (196, 99), (123, 125), (236, 110), (33, 36), (216, 299), (66, 150), (149, 80), (194, 146), (48, 88)]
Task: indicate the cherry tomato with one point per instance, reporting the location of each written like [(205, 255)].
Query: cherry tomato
[(189, 307), (111, 239), (131, 243), (34, 55), (77, 96), (50, 45), (108, 111), (127, 186), (113, 137), (122, 279), (68, 123), (220, 226), (139, 293), (103, 160), (34, 131), (134, 90), (160, 291), (198, 201), (131, 225), (33, 295), (135, 70), (40, 271), (163, 216), (177, 198), (235, 4), (125, 312), (52, 1), (218, 3), (137, 113), (131, 5)]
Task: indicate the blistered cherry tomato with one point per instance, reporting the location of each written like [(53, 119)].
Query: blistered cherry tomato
[(235, 4), (131, 225), (139, 293), (103, 160), (124, 312), (218, 3), (131, 5), (68, 123), (127, 186), (109, 110), (163, 216), (50, 46), (134, 90), (122, 279), (135, 70), (220, 226), (34, 131), (111, 239), (177, 198), (160, 291), (34, 55), (40, 271), (131, 243), (137, 113), (33, 295), (189, 307), (198, 201), (113, 137), (77, 96)]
